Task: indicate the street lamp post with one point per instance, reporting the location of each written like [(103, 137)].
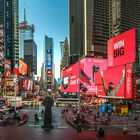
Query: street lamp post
[(79, 98)]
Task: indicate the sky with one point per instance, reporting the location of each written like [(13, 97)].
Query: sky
[(50, 17)]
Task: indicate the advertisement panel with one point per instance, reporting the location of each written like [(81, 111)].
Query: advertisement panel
[(128, 94), (88, 68), (79, 77), (70, 78), (115, 82), (22, 67), (122, 49), (7, 68), (111, 82), (136, 88)]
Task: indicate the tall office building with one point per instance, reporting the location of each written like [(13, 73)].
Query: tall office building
[(30, 55), (93, 22), (125, 15), (64, 47), (27, 45), (89, 27), (2, 58), (49, 63), (26, 32), (9, 19)]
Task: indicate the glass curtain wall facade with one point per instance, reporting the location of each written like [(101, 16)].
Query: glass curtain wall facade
[(9, 16)]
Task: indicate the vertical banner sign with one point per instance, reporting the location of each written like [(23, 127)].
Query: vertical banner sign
[(134, 89), (128, 82)]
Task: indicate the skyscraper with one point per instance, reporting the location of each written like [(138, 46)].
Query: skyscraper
[(26, 32), (28, 47), (125, 15), (93, 22), (30, 55), (2, 58), (64, 54), (89, 27), (49, 62), (48, 58), (9, 19)]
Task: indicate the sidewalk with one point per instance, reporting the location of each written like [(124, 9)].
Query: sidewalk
[(114, 126)]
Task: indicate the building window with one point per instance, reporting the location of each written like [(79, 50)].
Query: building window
[(72, 19), (7, 3), (7, 14)]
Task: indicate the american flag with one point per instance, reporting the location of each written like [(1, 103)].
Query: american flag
[(84, 77)]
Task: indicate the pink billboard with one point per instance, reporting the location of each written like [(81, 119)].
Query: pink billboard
[(122, 49), (88, 68), (115, 82), (80, 77)]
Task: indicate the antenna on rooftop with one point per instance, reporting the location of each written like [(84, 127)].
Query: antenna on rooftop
[(24, 10)]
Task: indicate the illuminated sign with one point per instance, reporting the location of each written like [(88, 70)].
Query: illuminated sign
[(49, 51), (49, 72), (79, 77), (122, 49), (115, 82)]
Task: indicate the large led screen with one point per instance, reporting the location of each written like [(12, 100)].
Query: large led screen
[(115, 82), (88, 68), (122, 49), (22, 67), (80, 77), (70, 78)]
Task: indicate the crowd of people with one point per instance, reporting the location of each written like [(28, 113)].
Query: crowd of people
[(91, 116)]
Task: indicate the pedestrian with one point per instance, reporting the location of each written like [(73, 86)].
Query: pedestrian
[(35, 105), (95, 127), (1, 117), (36, 117), (78, 123), (125, 130), (100, 132), (31, 105), (98, 115), (42, 111), (95, 117)]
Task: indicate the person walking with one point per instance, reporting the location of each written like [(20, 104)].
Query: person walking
[(79, 123)]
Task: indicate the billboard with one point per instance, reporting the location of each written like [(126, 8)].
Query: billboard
[(70, 78), (115, 82), (128, 82), (80, 76), (22, 67), (88, 68), (122, 49), (7, 68)]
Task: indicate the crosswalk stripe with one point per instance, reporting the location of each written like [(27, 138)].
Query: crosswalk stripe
[(62, 126)]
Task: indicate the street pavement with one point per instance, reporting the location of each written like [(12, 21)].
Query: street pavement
[(61, 130)]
